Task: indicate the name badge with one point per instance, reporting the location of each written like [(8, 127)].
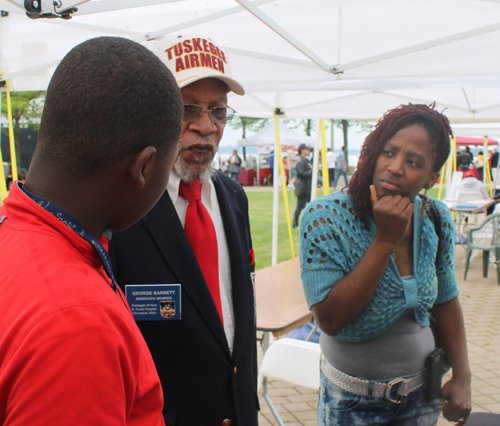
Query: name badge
[(154, 301)]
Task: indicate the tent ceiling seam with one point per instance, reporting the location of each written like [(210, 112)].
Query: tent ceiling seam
[(355, 95), (18, 3), (112, 5), (425, 101), (268, 57), (417, 48), (140, 36), (266, 20), (486, 108), (259, 101), (467, 100), (9, 76), (91, 27), (198, 21)]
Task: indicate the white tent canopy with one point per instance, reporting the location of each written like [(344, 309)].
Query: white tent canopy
[(317, 59), (267, 137), (324, 58), (477, 130)]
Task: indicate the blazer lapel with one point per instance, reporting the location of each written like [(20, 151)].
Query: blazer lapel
[(239, 256), (166, 229)]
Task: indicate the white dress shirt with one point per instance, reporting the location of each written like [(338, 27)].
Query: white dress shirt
[(209, 200)]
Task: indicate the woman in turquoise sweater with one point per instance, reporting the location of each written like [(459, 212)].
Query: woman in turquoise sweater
[(374, 267)]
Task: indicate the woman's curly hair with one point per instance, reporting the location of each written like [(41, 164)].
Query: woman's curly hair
[(435, 123)]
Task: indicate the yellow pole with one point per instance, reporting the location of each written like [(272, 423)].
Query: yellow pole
[(441, 179), (324, 164), (3, 183), (454, 151), (283, 183), (11, 136), (486, 167)]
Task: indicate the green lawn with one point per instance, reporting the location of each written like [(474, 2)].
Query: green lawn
[(261, 225), (261, 220)]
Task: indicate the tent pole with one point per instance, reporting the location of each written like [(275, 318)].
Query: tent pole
[(314, 183), (258, 166), (266, 20), (12, 144), (454, 148), (449, 173), (324, 165), (417, 48), (274, 250), (283, 185), (441, 179), (486, 167), (331, 134), (3, 183)]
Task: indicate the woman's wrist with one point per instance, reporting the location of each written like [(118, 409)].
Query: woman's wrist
[(385, 247), (462, 375)]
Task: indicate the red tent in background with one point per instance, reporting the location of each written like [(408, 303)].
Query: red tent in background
[(474, 141)]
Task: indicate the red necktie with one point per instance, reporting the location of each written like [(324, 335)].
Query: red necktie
[(201, 234)]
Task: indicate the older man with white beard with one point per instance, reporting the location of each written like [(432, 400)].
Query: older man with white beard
[(193, 253)]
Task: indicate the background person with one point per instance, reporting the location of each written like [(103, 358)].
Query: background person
[(235, 166), (469, 183), (378, 271), (70, 352), (331, 159), (341, 167), (464, 160), (480, 165), (469, 153), (206, 359), (494, 165), (304, 180), (292, 162), (271, 166)]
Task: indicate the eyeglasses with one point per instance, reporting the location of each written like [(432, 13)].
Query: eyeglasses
[(218, 115)]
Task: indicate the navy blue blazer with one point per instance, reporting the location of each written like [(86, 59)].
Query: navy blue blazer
[(203, 383)]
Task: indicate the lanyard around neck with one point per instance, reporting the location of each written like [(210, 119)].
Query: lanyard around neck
[(74, 225)]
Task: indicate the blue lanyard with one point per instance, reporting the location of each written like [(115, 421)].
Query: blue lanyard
[(73, 224)]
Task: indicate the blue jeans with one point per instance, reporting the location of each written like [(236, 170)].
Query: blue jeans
[(338, 407), (339, 172), (331, 176), (235, 176), (301, 203)]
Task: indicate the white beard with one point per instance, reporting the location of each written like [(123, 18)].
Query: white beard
[(186, 173)]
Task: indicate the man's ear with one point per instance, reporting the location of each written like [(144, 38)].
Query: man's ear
[(433, 178), (142, 166)]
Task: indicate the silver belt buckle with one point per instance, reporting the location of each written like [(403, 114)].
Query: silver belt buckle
[(388, 389)]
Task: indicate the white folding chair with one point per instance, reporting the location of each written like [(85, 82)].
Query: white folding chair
[(295, 361), (466, 217)]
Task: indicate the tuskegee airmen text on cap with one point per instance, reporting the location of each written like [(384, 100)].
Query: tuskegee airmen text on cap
[(191, 57)]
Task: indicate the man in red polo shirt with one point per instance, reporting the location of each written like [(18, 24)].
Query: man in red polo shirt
[(70, 352)]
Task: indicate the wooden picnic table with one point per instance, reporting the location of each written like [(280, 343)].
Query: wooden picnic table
[(281, 307), (281, 304)]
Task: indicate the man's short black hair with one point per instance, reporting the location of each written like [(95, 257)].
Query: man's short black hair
[(109, 98)]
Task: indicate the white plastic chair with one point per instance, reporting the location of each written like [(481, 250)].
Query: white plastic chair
[(485, 238), (294, 361), (466, 217)]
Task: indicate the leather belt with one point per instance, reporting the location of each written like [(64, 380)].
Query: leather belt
[(371, 388)]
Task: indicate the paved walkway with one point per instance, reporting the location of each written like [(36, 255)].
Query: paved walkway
[(480, 299)]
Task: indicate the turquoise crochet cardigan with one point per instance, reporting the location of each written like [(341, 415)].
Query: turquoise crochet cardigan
[(332, 242)]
